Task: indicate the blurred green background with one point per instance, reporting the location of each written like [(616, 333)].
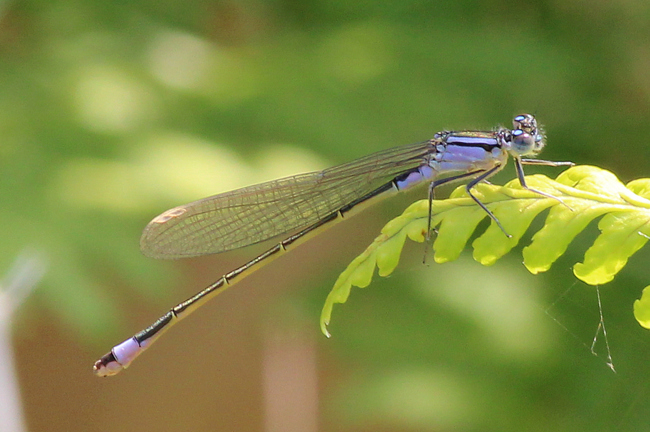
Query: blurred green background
[(112, 112)]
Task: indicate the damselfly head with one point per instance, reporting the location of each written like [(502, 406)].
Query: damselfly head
[(526, 138)]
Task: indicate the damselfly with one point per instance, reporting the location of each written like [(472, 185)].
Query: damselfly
[(308, 203)]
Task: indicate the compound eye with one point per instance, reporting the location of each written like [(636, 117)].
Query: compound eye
[(517, 122), (524, 143), (525, 121)]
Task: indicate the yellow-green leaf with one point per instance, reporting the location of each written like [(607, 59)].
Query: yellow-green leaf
[(642, 308), (583, 193)]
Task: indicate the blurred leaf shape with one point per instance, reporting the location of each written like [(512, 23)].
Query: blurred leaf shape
[(588, 192), (642, 308)]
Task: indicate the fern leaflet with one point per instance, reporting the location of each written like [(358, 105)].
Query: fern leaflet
[(588, 192)]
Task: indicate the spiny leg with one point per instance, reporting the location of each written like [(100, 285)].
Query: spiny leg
[(522, 180), (432, 186), (545, 162), (435, 184), (476, 181)]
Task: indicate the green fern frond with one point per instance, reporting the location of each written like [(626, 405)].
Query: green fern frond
[(587, 192)]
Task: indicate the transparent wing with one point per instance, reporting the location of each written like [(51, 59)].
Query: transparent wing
[(256, 213)]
